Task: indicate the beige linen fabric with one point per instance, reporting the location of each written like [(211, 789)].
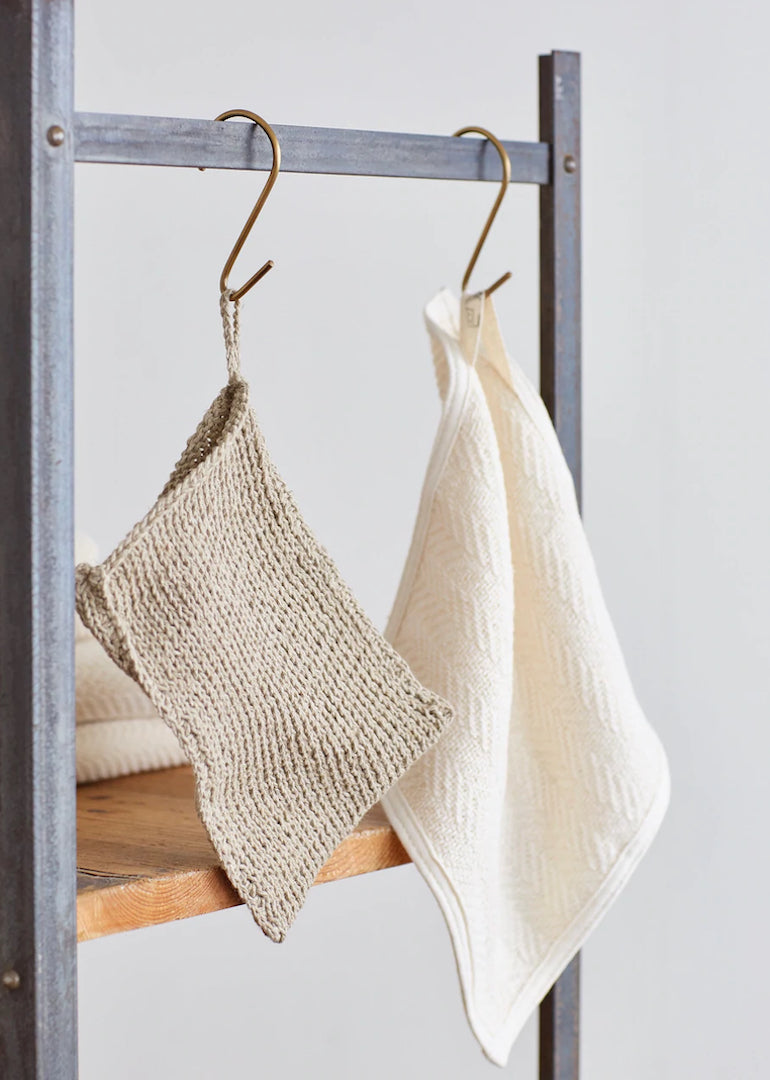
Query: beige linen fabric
[(529, 815), (295, 712), (117, 728)]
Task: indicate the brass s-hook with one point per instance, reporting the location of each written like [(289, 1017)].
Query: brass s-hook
[(236, 294), (506, 163)]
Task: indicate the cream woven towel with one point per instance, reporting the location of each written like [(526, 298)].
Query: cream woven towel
[(117, 729), (295, 712), (528, 816)]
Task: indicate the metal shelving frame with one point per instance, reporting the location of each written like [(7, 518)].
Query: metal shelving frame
[(41, 139)]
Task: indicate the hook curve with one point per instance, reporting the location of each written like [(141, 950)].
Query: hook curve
[(236, 294), (506, 164)]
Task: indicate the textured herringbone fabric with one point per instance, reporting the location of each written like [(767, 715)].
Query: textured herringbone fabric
[(295, 712), (117, 729), (528, 816)]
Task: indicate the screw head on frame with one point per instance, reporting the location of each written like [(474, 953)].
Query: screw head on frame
[(55, 135), (570, 164)]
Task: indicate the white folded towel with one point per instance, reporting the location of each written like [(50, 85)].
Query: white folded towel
[(530, 813), (117, 728)]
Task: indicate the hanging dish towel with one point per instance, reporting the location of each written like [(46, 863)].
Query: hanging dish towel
[(529, 815), (295, 712), (117, 730)]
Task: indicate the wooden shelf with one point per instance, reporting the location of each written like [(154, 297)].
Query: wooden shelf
[(144, 857)]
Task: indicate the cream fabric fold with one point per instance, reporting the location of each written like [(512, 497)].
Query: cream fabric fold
[(529, 815), (118, 730)]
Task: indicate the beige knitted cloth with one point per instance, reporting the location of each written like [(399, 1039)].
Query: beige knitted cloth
[(295, 712), (117, 730)]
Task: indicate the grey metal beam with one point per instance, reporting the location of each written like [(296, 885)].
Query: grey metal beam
[(560, 358), (560, 291), (38, 1038), (560, 1027), (158, 140)]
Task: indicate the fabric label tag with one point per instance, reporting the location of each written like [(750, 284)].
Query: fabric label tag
[(471, 313)]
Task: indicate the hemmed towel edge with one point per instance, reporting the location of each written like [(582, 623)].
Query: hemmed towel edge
[(497, 1046)]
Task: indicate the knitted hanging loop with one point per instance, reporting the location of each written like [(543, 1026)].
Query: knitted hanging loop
[(231, 324), (293, 710)]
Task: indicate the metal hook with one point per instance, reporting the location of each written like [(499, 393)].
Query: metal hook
[(506, 163), (236, 294)]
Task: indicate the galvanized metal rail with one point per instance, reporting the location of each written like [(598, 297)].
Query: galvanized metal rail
[(40, 140), (158, 140)]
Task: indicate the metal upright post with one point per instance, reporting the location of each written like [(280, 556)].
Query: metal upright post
[(560, 386), (38, 1037)]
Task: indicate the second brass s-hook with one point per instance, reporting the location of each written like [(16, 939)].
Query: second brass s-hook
[(506, 164)]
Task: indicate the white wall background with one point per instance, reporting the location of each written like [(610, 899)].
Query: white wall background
[(677, 378)]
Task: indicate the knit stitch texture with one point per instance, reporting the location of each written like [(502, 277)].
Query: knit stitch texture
[(295, 712), (117, 730), (529, 815)]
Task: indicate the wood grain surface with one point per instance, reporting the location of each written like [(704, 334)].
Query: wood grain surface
[(144, 858)]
